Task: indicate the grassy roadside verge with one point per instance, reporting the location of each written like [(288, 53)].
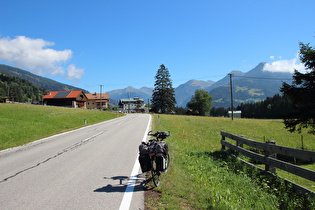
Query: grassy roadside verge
[(200, 177), (21, 124)]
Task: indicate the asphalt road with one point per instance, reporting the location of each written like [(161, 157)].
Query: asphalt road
[(88, 168)]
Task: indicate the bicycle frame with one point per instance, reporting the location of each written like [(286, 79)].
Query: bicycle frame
[(156, 174)]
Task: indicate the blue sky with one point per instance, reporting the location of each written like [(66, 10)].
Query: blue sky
[(120, 43)]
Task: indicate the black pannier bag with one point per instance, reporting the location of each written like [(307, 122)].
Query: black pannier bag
[(160, 162), (144, 158), (144, 149), (162, 147)]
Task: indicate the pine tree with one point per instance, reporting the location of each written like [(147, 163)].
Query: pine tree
[(302, 93), (163, 97)]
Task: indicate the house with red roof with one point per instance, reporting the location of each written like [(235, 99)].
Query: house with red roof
[(74, 98)]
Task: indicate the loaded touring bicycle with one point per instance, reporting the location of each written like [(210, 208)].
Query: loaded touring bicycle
[(154, 155)]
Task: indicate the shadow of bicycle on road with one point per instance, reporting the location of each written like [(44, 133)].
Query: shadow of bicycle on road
[(121, 185)]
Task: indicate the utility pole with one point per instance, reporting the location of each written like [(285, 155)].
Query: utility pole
[(231, 94), (42, 96), (101, 97)]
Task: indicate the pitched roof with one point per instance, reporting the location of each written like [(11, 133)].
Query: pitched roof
[(130, 100), (62, 94), (97, 96), (74, 94), (51, 94)]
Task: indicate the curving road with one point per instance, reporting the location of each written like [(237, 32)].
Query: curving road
[(88, 168)]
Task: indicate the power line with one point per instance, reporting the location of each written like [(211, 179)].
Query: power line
[(270, 78)]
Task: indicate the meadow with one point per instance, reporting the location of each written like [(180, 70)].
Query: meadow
[(202, 177), (21, 124)]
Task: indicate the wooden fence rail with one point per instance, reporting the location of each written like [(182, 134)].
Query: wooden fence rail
[(269, 159)]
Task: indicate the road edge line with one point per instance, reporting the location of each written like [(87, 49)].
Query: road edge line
[(126, 201)]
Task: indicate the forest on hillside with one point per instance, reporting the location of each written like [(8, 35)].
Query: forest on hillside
[(19, 90), (275, 107)]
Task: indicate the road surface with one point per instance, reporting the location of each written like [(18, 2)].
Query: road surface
[(88, 168)]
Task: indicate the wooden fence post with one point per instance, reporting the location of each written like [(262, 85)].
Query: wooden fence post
[(238, 144), (272, 155), (223, 138)]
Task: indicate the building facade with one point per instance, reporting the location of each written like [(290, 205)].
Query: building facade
[(135, 105), (74, 99), (97, 100)]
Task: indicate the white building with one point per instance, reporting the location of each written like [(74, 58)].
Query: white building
[(236, 114), (132, 105)]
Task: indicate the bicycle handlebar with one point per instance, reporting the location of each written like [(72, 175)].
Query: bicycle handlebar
[(160, 134)]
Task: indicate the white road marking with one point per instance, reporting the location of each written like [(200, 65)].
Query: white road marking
[(125, 203)]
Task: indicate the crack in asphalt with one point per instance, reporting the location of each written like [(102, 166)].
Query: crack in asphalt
[(70, 148)]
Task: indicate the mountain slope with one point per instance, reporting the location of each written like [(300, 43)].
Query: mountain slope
[(252, 86), (225, 80), (131, 92), (184, 92), (46, 83)]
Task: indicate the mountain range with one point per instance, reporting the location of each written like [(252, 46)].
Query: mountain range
[(253, 86)]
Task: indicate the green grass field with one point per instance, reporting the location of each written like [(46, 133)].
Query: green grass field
[(201, 177), (21, 124)]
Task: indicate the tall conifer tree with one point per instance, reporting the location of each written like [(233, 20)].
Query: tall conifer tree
[(302, 93), (163, 97)]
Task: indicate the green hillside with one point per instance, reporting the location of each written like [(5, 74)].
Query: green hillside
[(46, 83), (253, 86), (245, 91), (19, 90)]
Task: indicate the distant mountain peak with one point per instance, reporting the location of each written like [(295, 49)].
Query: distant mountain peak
[(238, 73), (199, 83), (130, 88)]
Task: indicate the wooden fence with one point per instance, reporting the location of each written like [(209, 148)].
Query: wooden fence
[(270, 156)]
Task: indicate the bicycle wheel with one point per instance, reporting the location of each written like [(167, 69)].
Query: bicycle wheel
[(155, 174), (167, 162)]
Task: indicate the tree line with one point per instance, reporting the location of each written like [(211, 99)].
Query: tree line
[(275, 107), (19, 90)]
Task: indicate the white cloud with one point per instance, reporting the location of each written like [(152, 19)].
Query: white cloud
[(272, 57), (285, 65), (34, 54), (74, 73)]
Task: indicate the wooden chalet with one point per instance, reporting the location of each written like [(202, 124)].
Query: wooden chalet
[(75, 99), (97, 100)]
